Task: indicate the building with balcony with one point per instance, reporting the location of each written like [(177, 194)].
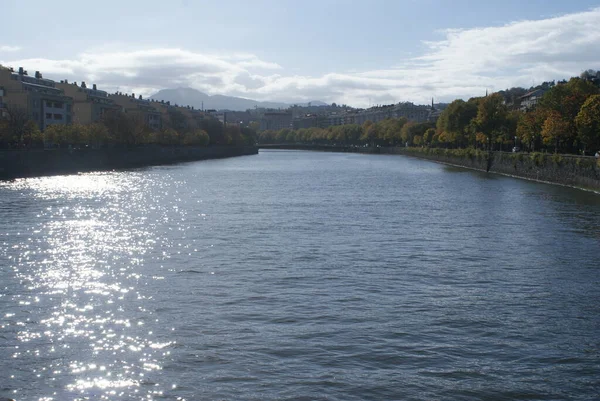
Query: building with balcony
[(89, 104), (40, 98)]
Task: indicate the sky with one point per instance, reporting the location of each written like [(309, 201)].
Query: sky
[(358, 53)]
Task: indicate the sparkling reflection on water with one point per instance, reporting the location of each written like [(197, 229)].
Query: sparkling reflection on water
[(294, 275), (79, 327)]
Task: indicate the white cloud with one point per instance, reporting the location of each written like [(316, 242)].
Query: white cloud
[(463, 63), (7, 49)]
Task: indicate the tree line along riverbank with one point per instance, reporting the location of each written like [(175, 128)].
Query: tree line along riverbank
[(119, 140), (565, 120), (119, 129)]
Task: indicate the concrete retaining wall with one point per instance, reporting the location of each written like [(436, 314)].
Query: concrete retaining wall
[(39, 162), (577, 171)]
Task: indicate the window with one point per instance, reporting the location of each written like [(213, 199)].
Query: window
[(48, 104), (58, 105), (58, 117), (1, 92), (48, 116), (68, 107)]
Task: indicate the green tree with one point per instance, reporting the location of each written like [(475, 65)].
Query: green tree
[(98, 135), (32, 136), (428, 136), (249, 136), (370, 133), (567, 99), (588, 123), (215, 130), (168, 137), (405, 133), (455, 119), (492, 118), (197, 137), (57, 134)]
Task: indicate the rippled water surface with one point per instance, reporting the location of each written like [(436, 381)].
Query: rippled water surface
[(298, 275)]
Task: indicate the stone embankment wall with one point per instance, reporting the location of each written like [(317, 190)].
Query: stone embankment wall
[(39, 162), (577, 171)]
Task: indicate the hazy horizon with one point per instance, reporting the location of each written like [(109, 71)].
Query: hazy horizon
[(330, 51)]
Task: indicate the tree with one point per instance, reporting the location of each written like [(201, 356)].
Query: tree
[(529, 127), (197, 137), (176, 120), (235, 137), (567, 100), (405, 132), (56, 134), (77, 134), (555, 129), (428, 136), (481, 139), (214, 129), (168, 137), (98, 135), (455, 119), (249, 136), (119, 127), (391, 130), (32, 136), (492, 117), (588, 123), (370, 132), (16, 118)]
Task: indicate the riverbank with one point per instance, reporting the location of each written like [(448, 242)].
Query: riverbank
[(570, 170), (41, 162), (321, 148)]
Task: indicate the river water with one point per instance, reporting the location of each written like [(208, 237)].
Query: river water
[(294, 275)]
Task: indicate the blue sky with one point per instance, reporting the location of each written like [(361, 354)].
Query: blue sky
[(331, 50)]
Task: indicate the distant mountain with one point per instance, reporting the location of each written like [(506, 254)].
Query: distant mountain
[(193, 97)]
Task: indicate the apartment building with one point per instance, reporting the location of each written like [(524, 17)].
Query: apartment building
[(138, 106), (276, 120), (89, 104), (40, 98), (178, 117), (412, 112), (530, 100)]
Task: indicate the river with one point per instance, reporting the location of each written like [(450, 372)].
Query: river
[(294, 275)]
